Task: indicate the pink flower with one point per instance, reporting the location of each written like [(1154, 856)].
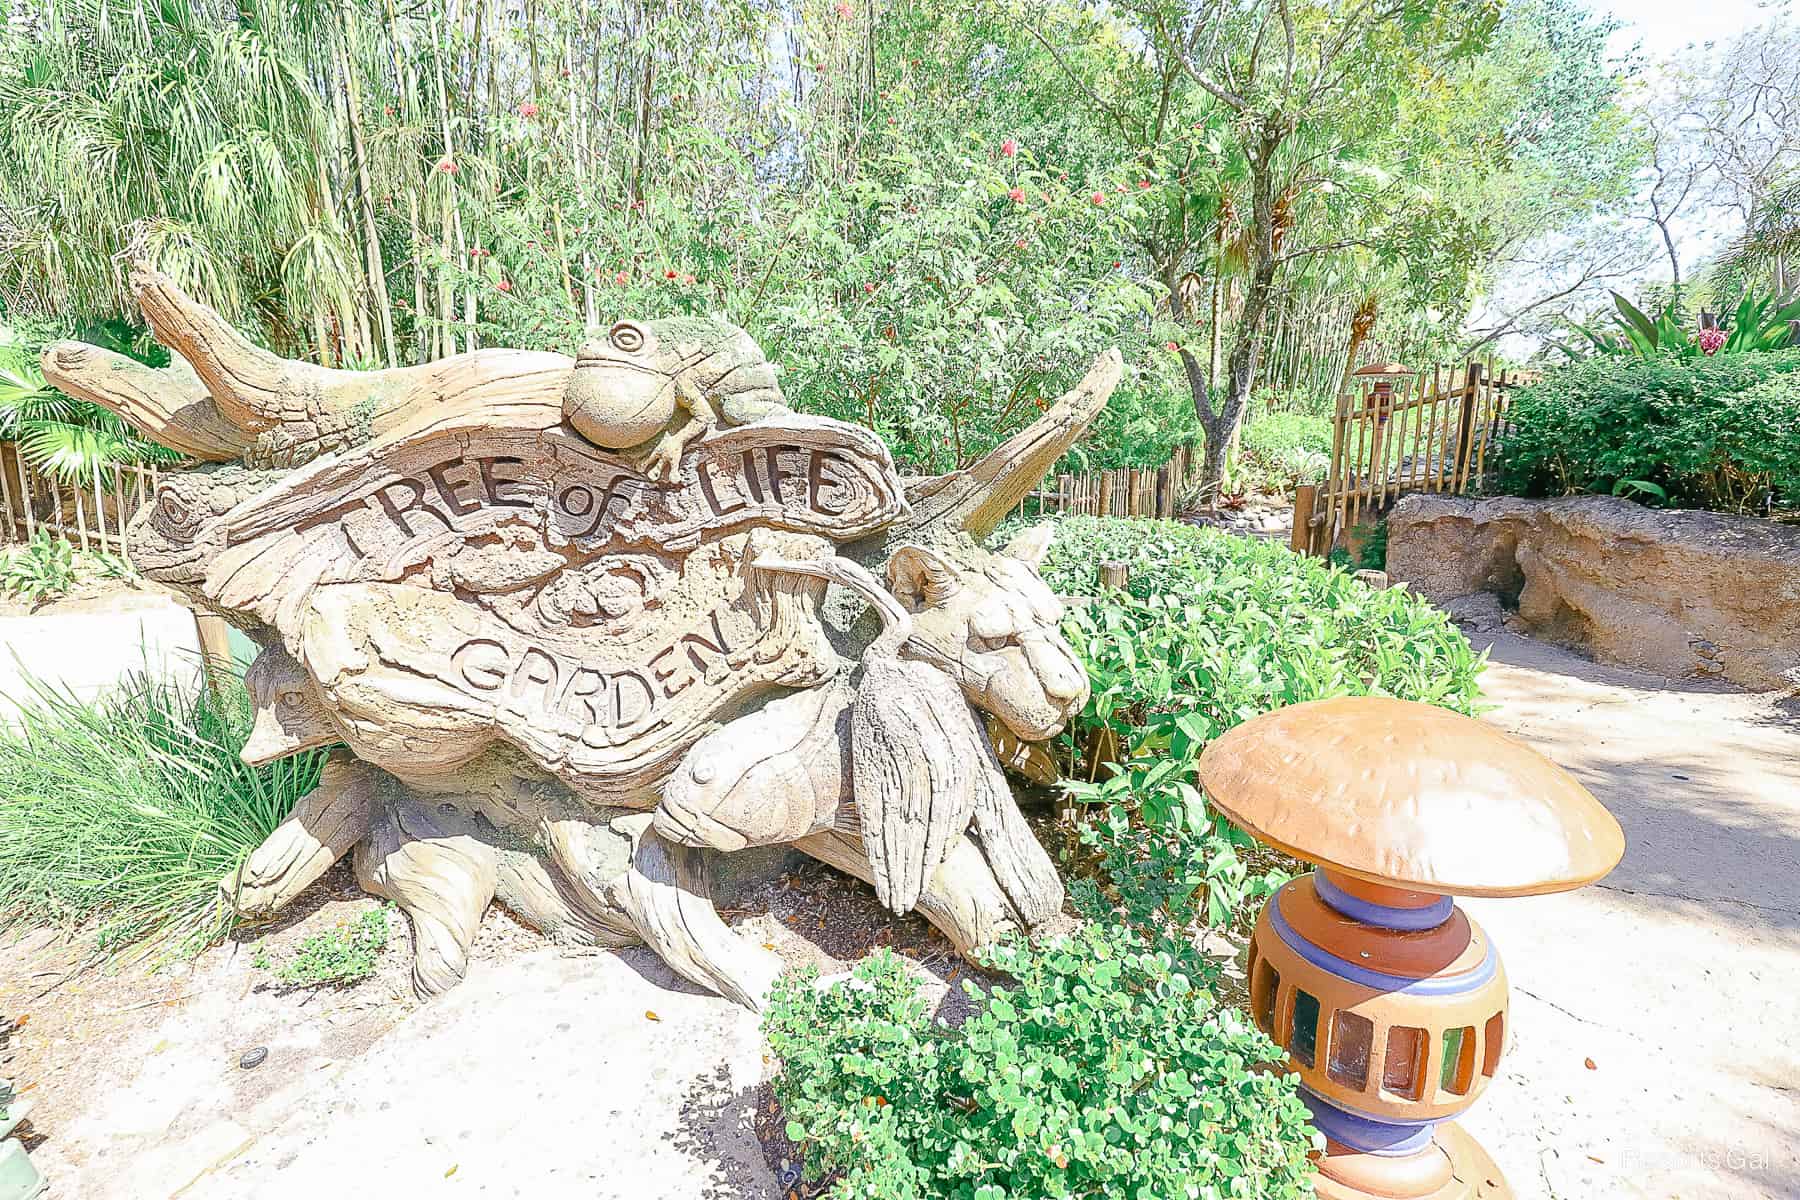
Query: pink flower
[(1020, 243), (1098, 198), (843, 9), (687, 281), (1009, 148), (1143, 185), (1711, 341), (446, 166), (868, 287), (621, 279), (1017, 195), (528, 110), (505, 285), (1171, 347)]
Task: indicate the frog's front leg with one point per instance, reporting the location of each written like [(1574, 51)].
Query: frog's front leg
[(694, 418)]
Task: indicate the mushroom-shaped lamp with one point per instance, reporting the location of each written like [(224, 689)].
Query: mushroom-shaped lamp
[(1389, 999)]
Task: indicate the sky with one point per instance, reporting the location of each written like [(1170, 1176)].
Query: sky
[(1665, 26), (1656, 30)]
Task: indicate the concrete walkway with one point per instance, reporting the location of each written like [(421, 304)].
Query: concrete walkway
[(85, 646), (601, 1076), (1655, 1041)]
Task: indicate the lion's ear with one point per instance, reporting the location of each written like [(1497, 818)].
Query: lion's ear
[(921, 578), (1032, 545)]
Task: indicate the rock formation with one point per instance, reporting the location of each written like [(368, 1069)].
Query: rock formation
[(1676, 592)]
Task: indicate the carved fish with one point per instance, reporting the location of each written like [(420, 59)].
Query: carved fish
[(771, 777)]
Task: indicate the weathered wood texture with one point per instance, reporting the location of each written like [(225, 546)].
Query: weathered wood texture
[(567, 620)]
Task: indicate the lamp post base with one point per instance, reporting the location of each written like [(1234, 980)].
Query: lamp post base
[(1453, 1167)]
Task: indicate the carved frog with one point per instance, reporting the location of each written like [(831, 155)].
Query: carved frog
[(652, 388)]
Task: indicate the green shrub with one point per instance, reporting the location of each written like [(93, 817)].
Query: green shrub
[(1280, 450), (42, 569), (1273, 434), (344, 955), (1705, 432), (1104, 1071), (1212, 631), (125, 811)]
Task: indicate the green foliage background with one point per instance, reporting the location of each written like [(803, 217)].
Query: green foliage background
[(933, 215), (1720, 432)]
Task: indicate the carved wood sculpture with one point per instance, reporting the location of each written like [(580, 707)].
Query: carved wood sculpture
[(578, 625)]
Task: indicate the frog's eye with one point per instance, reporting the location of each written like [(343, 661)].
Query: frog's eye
[(628, 337)]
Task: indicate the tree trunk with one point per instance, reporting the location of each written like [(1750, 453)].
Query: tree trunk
[(1221, 424)]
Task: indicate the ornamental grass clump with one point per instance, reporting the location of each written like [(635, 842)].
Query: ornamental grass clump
[(1102, 1069), (120, 814)]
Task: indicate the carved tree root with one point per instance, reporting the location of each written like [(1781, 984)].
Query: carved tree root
[(666, 895), (442, 880), (962, 899), (325, 823), (540, 896)]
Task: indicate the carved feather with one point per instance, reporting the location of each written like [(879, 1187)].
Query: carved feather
[(914, 755)]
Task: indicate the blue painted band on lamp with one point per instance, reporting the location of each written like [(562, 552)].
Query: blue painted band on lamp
[(1431, 985), (1365, 1134), (1409, 920)]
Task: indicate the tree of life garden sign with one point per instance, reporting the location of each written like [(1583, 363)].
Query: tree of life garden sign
[(577, 624)]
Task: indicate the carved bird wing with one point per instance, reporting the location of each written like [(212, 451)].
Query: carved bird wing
[(914, 756)]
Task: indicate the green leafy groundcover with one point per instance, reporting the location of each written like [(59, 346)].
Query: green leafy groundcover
[(1107, 1068), (1720, 433), (1213, 630), (1102, 1071)]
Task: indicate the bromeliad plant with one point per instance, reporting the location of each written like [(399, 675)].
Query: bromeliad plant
[(1103, 1070), (1759, 323)]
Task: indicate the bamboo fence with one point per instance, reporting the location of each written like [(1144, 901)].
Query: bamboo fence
[(1429, 432), (90, 513), (1123, 491)]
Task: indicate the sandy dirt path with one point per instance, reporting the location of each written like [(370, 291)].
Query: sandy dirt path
[(1653, 1051), (1655, 1042)]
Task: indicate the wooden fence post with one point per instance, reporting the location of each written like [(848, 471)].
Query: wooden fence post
[(1465, 432), (1334, 479), (1300, 539), (1106, 490)]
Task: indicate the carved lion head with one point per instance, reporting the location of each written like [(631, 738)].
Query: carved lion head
[(990, 622)]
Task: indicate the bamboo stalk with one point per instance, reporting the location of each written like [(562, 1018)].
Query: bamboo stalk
[(81, 526), (99, 506)]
